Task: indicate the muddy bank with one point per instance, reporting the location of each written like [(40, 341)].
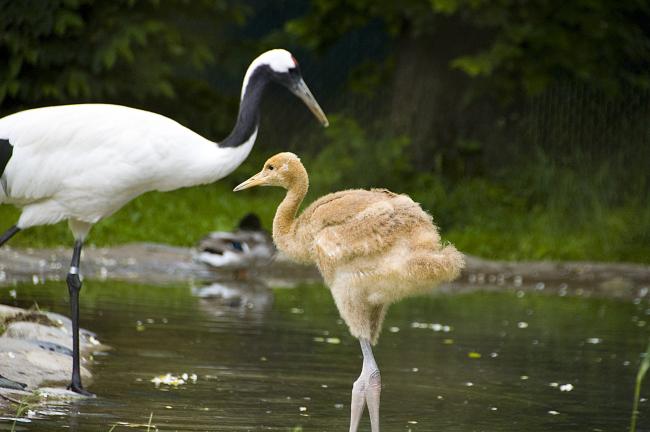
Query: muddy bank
[(142, 262), (159, 264)]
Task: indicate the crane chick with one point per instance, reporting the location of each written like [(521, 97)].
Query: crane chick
[(372, 247)]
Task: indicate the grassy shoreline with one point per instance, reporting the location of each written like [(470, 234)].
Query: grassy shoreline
[(487, 228)]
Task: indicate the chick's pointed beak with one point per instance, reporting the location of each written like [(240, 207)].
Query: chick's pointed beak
[(258, 179), (301, 90)]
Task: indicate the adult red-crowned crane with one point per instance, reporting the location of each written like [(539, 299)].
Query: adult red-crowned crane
[(82, 163)]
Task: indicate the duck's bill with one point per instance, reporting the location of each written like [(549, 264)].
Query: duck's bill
[(301, 90), (256, 180)]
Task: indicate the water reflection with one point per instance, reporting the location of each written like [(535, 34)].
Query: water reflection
[(244, 298), (479, 361)]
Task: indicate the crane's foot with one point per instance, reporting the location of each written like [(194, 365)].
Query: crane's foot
[(80, 391), (366, 390)]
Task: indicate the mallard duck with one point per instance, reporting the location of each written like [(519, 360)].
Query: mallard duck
[(248, 246)]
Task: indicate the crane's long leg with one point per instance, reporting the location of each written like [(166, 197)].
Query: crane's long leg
[(74, 286), (4, 238), (366, 389)]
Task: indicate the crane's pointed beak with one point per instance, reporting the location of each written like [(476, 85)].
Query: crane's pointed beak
[(301, 90), (257, 180)]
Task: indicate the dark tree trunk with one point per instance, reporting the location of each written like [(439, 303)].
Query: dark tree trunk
[(429, 98)]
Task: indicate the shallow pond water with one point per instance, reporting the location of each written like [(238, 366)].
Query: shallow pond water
[(283, 360)]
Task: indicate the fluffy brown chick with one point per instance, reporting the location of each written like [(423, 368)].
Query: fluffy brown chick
[(372, 247)]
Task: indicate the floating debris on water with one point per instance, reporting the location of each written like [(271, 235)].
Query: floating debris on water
[(412, 422), (415, 369), (174, 381), (436, 327), (522, 324), (554, 384), (296, 310), (553, 412), (523, 377), (566, 387), (329, 340), (474, 355), (338, 406), (393, 329), (594, 340), (469, 384), (448, 341), (303, 409)]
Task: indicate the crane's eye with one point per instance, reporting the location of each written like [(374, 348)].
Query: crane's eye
[(270, 167)]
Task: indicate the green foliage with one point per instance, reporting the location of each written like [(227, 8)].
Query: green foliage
[(562, 175), (348, 147), (525, 45), (126, 50), (541, 210)]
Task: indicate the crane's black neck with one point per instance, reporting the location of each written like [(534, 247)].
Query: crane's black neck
[(248, 119)]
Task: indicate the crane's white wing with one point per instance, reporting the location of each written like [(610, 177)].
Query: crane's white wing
[(91, 159)]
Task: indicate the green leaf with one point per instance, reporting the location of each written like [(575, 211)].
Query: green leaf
[(66, 21)]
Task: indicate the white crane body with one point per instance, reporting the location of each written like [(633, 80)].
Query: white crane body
[(84, 162)]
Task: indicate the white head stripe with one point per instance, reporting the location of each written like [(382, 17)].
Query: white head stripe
[(279, 60)]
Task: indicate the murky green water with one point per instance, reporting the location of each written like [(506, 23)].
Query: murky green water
[(500, 366)]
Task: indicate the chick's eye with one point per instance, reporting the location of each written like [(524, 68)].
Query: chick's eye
[(270, 167)]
